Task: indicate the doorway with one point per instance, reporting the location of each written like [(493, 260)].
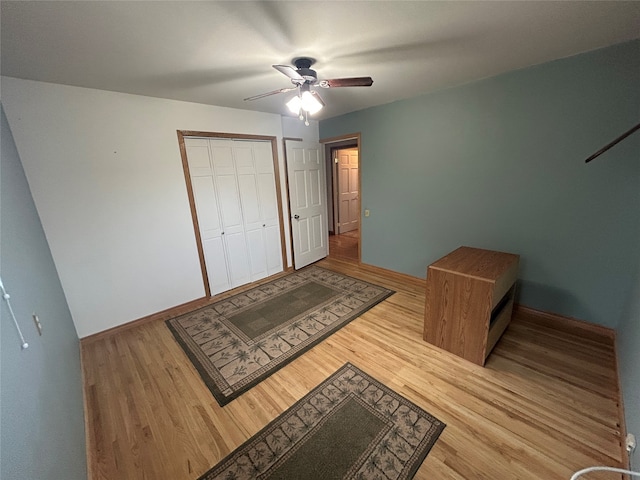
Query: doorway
[(344, 172)]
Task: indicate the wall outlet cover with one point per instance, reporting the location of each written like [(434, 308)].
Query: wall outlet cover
[(630, 442)]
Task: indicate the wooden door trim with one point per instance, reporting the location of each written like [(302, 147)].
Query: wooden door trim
[(192, 204), (232, 136), (342, 138), (276, 178), (194, 215), (334, 187), (286, 180)]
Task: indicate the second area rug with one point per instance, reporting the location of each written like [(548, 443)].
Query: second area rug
[(349, 427)]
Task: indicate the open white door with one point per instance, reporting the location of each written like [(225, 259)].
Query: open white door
[(307, 203)]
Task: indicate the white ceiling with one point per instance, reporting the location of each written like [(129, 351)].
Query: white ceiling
[(221, 52)]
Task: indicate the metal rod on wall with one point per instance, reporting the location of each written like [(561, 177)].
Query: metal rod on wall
[(6, 298), (609, 145)]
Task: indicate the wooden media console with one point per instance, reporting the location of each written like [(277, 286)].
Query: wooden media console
[(469, 300)]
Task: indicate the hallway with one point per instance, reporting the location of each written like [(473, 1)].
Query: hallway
[(345, 246)]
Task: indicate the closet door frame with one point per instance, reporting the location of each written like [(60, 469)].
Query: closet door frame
[(192, 204)]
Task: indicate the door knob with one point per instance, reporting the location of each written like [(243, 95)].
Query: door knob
[(296, 217)]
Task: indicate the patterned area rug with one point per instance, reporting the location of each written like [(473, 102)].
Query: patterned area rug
[(238, 342), (349, 427)]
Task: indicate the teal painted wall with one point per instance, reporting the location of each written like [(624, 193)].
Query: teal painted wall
[(628, 340), (41, 410), (499, 164)]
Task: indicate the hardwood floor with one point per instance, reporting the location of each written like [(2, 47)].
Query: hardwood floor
[(544, 406), (345, 246)]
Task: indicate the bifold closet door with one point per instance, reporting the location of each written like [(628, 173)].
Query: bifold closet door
[(234, 191), (233, 233), (218, 212), (257, 184)]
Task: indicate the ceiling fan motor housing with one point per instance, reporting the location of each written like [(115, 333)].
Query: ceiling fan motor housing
[(303, 67)]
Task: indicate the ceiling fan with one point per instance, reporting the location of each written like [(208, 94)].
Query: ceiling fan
[(303, 78)]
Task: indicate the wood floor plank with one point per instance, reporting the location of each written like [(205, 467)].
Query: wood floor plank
[(544, 406)]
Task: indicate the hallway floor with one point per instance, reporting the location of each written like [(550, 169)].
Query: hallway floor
[(345, 245)]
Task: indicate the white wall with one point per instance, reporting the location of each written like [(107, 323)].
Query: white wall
[(293, 127), (106, 175)]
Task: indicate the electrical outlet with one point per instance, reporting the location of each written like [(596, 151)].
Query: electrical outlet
[(630, 442)]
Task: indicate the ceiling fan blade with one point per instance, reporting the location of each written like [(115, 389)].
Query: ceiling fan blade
[(346, 82), (262, 95), (289, 71)]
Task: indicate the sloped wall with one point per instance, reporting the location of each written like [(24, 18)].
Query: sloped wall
[(42, 435)]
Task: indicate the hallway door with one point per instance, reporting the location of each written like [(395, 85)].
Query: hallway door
[(348, 190)]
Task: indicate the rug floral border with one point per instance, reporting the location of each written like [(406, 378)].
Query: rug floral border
[(395, 454), (353, 298)]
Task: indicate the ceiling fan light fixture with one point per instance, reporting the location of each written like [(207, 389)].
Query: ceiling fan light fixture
[(306, 101), (310, 103), (295, 104)]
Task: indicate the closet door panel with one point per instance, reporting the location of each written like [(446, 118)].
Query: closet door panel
[(229, 201), (268, 200), (222, 157), (253, 225), (272, 249), (269, 205), (237, 258), (198, 157), (243, 157), (266, 182), (263, 157), (233, 230), (206, 206), (257, 254), (216, 265), (250, 202), (210, 233)]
